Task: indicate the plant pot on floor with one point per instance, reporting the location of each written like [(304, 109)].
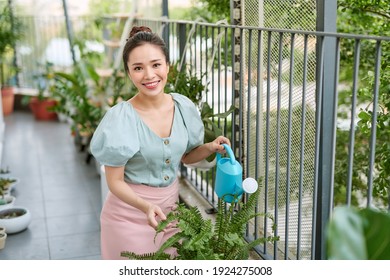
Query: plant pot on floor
[(7, 184), (8, 100), (41, 109), (3, 238), (15, 219), (7, 202)]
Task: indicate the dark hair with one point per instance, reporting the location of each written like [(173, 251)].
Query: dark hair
[(140, 35)]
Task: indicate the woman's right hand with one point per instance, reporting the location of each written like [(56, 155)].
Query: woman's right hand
[(117, 185), (153, 213)]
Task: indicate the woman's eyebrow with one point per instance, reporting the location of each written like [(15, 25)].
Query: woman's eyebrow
[(152, 61)]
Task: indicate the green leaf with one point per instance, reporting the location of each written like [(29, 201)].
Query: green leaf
[(377, 234), (364, 116), (227, 113), (358, 235), (345, 236)]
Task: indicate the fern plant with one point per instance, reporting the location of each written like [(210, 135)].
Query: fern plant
[(202, 239)]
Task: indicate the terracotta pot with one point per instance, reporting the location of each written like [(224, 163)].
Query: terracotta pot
[(40, 109), (8, 99)]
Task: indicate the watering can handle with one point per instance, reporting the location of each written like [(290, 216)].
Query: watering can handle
[(230, 153)]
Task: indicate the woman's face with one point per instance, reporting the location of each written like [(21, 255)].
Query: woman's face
[(148, 69)]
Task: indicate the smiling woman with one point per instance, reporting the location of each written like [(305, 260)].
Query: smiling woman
[(141, 142)]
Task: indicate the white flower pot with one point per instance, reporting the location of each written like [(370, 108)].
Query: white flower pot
[(9, 202), (5, 175), (15, 219), (6, 193)]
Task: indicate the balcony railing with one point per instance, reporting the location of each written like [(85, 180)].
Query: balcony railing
[(299, 99)]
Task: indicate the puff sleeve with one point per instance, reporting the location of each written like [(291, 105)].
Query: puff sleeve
[(115, 140), (191, 119)]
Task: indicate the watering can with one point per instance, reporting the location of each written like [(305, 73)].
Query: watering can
[(228, 180)]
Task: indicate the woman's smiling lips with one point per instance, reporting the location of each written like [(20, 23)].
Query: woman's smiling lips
[(151, 85)]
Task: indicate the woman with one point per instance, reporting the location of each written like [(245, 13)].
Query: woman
[(141, 143)]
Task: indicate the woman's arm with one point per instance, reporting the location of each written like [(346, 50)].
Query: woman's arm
[(203, 151), (118, 186)]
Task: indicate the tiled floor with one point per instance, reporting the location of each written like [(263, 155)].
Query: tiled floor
[(57, 186)]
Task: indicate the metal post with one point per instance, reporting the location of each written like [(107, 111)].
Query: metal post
[(326, 21), (182, 35), (165, 14), (236, 19), (14, 59), (69, 30)]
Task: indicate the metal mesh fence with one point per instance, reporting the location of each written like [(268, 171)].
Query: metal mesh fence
[(286, 116)]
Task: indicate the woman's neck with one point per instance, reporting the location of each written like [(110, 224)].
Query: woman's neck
[(145, 103)]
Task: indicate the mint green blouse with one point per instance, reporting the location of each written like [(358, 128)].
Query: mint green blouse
[(123, 139)]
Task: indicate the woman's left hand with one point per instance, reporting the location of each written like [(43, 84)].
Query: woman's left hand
[(216, 145)]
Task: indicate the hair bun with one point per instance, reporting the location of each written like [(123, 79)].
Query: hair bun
[(137, 29)]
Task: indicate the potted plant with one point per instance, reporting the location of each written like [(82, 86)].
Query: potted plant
[(76, 100), (15, 219), (10, 33), (202, 239), (41, 108), (6, 201), (7, 184), (3, 238), (42, 105), (4, 193)]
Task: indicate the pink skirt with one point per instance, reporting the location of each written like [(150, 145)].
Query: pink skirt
[(125, 228)]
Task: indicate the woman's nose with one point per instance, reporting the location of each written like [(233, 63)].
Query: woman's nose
[(149, 73)]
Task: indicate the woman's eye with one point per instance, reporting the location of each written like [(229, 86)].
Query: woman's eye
[(137, 68), (156, 65)]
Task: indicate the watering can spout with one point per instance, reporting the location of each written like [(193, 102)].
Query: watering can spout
[(228, 181)]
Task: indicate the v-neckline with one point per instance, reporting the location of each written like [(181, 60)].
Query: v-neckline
[(151, 130)]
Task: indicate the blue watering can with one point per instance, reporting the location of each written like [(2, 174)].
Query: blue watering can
[(228, 180)]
